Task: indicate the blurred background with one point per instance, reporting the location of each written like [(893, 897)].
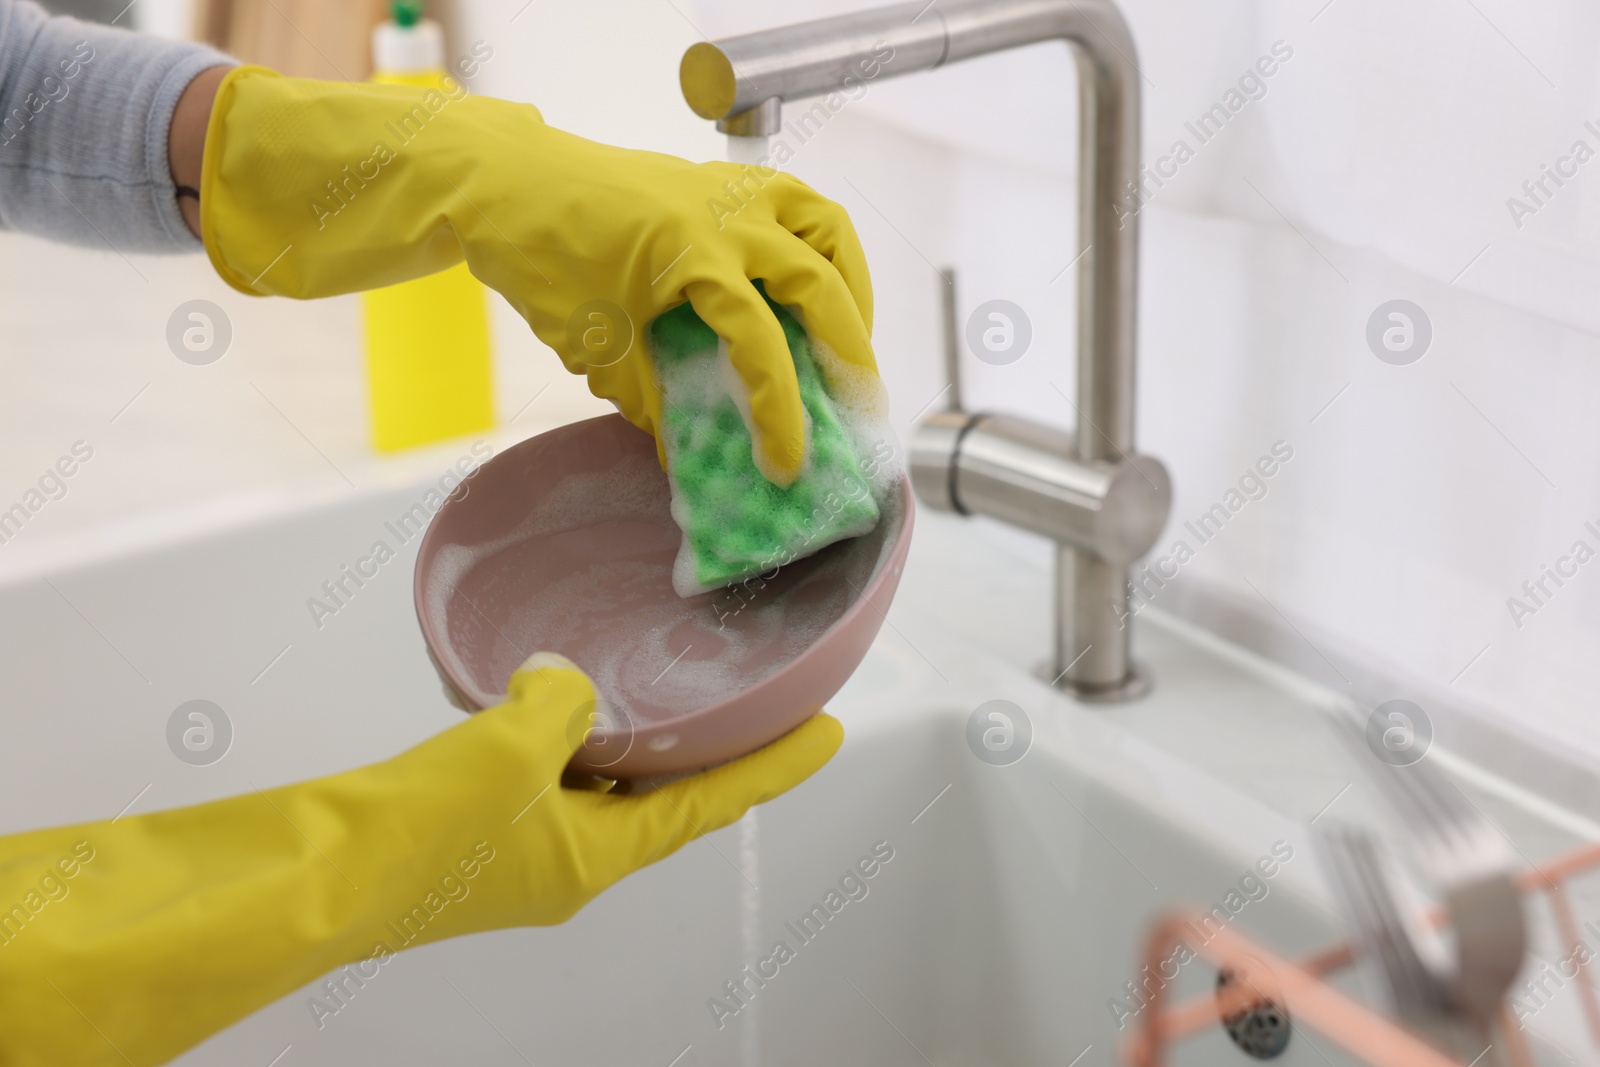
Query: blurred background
[(1384, 159)]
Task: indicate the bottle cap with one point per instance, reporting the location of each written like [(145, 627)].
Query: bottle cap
[(407, 43)]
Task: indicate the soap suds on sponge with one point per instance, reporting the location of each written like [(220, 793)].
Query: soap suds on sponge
[(735, 523)]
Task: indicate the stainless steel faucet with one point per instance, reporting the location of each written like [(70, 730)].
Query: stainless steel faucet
[(1103, 504)]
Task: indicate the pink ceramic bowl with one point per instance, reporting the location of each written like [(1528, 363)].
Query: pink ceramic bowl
[(565, 543)]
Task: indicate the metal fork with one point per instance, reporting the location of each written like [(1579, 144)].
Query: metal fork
[(1362, 881), (1449, 980)]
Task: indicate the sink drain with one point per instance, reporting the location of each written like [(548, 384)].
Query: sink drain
[(1262, 1030)]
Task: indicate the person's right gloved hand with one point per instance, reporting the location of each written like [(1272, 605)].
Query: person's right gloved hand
[(312, 188), (133, 939)]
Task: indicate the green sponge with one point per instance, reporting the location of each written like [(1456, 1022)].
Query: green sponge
[(735, 523)]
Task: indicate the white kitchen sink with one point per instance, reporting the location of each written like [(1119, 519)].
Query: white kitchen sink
[(1001, 931)]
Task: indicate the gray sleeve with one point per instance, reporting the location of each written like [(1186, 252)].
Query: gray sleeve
[(84, 115)]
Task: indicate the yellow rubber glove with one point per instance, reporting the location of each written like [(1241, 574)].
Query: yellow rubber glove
[(130, 941), (312, 188)]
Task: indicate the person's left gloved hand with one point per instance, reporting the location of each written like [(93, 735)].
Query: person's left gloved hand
[(133, 939), (313, 188)]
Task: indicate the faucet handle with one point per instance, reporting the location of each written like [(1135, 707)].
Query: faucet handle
[(1030, 475)]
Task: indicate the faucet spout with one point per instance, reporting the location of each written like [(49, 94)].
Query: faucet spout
[(736, 80)]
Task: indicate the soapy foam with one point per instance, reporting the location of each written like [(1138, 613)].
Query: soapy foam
[(632, 491), (587, 573), (863, 406)]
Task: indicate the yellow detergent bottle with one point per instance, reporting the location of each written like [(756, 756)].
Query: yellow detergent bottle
[(428, 366)]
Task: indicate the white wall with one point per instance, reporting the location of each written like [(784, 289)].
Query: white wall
[(1376, 166)]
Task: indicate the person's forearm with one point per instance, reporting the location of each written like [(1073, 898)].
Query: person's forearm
[(85, 145), (142, 936), (186, 140)]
